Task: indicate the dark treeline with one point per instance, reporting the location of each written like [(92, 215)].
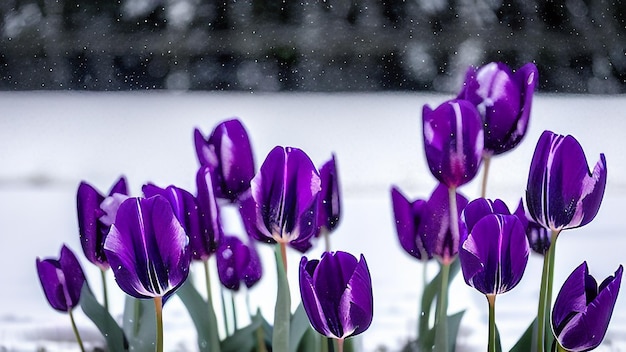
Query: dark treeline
[(335, 45)]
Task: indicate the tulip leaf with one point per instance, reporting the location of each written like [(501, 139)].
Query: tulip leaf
[(299, 326), (282, 310), (310, 341), (249, 337), (454, 322), (139, 323), (113, 334), (203, 317), (525, 343)]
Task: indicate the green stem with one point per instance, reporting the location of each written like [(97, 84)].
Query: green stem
[(213, 331), (441, 322), (324, 343), (422, 320), (560, 348), (282, 310), (207, 277), (326, 239), (158, 307), (224, 313), (232, 306), (548, 326), (78, 339), (104, 289), (486, 164), (340, 345), (260, 340), (491, 346), (545, 293)]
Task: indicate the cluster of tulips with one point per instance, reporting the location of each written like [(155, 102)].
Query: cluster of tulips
[(149, 242)]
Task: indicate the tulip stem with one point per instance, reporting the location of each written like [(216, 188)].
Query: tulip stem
[(491, 299), (441, 321), (283, 253), (545, 293), (486, 163), (78, 339), (207, 277), (282, 310), (326, 239), (158, 307), (340, 345), (105, 294), (233, 308)]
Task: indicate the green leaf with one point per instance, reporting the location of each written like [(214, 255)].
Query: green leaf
[(247, 338), (310, 341), (282, 310), (299, 326), (454, 322), (525, 343), (203, 317), (498, 341), (139, 323), (113, 334)]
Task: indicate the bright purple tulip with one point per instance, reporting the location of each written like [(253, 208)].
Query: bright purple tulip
[(329, 200), (408, 217), (582, 310), (228, 154), (435, 229), (186, 210), (453, 141), (336, 294), (95, 215), (237, 262), (538, 236), (494, 252), (62, 280), (562, 193), (285, 192), (504, 100), (209, 211), (148, 248)]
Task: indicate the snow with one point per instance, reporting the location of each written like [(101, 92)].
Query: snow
[(50, 141)]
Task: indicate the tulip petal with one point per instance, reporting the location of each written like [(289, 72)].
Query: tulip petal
[(310, 300), (329, 200), (92, 232), (408, 217), (481, 207), (211, 230), (356, 306), (232, 258)]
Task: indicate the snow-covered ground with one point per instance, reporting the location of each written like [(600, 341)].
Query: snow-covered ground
[(51, 141)]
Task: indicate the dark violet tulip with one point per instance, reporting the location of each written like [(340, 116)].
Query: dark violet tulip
[(561, 192), (453, 141), (95, 216), (148, 249), (582, 309), (185, 208), (504, 100), (494, 251), (237, 262), (285, 193), (336, 294), (439, 238), (538, 236), (62, 280), (329, 200), (228, 154), (211, 226), (408, 217)]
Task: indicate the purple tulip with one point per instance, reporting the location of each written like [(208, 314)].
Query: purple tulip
[(237, 262), (582, 309), (185, 209), (228, 154), (494, 252), (562, 193), (408, 217), (336, 294), (453, 141), (211, 226), (148, 248), (504, 100), (95, 216), (285, 192), (538, 236), (329, 200), (62, 280), (435, 229)]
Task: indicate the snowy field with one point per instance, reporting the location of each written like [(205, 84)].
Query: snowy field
[(49, 142)]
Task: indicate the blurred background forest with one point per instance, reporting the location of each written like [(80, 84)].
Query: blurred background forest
[(579, 46)]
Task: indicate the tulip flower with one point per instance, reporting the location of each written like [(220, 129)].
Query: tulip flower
[(211, 231), (561, 194), (329, 200), (285, 192), (228, 154), (582, 309), (336, 294), (493, 253), (453, 141), (62, 281), (408, 217), (94, 222), (149, 252), (504, 100), (237, 262), (538, 236)]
